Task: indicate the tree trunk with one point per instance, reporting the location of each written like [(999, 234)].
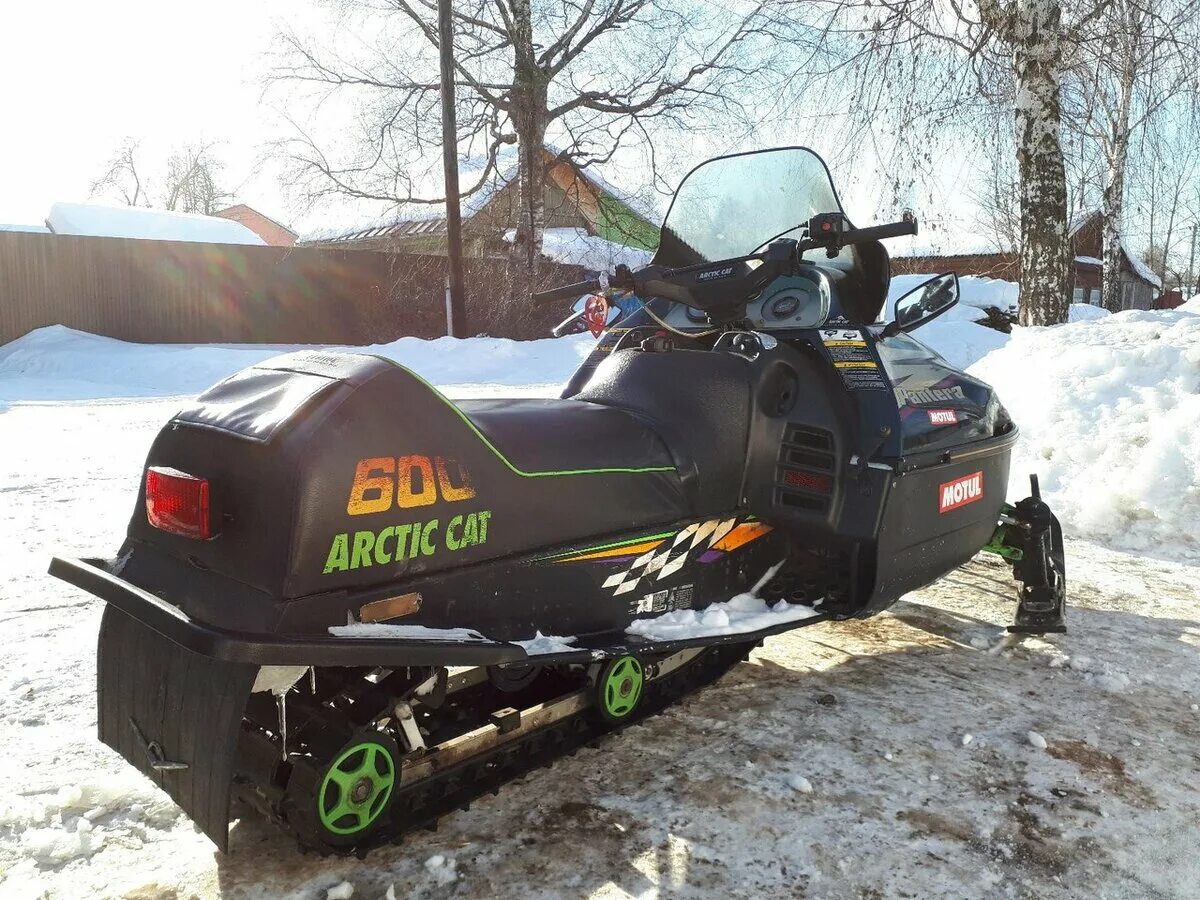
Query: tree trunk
[(529, 114), (1113, 208), (1045, 246), (1114, 179)]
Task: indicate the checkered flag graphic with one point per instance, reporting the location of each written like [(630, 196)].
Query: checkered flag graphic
[(661, 563)]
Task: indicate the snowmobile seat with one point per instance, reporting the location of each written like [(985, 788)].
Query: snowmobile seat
[(699, 401), (537, 435)]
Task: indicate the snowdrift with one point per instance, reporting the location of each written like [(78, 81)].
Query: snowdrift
[(59, 363), (1109, 411)]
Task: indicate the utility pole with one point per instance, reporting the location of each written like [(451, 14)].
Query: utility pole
[(456, 299), (1192, 265)]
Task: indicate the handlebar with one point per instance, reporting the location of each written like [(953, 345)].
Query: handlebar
[(691, 284), (568, 292)]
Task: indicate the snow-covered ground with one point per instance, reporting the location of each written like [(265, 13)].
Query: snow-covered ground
[(899, 756)]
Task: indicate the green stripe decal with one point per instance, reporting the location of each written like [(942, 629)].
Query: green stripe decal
[(636, 540), (500, 456)]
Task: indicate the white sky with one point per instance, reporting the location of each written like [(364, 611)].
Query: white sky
[(78, 76)]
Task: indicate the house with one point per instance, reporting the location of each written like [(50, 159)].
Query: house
[(582, 211), (101, 220), (1139, 285), (273, 233)]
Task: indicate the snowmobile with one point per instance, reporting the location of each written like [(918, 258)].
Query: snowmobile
[(356, 606)]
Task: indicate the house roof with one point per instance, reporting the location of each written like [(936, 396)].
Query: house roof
[(413, 219), (100, 220), (30, 229), (1076, 223), (261, 215)]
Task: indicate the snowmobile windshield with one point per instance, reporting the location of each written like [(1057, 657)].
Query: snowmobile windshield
[(732, 205)]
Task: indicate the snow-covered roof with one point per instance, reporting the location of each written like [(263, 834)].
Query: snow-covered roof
[(100, 220), (575, 247), (1078, 219), (31, 229), (1143, 271)]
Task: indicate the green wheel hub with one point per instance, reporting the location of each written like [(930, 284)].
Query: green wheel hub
[(620, 687), (356, 788)]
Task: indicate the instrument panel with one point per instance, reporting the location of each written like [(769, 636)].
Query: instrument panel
[(790, 301)]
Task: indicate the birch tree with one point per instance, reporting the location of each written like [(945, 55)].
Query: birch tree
[(594, 75), (1129, 62), (1013, 53)]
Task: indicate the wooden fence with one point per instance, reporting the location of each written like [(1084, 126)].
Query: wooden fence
[(167, 291)]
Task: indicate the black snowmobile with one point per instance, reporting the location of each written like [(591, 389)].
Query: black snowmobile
[(357, 605)]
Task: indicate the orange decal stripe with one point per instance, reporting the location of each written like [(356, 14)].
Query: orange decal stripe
[(742, 535), (627, 550)]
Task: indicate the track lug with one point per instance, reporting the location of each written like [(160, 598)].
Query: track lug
[(506, 720)]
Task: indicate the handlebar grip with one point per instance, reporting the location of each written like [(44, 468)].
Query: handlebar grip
[(877, 232), (567, 292)]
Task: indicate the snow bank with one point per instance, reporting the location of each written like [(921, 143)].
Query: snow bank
[(99, 220), (1109, 411), (28, 229), (575, 247), (1085, 312), (58, 363)]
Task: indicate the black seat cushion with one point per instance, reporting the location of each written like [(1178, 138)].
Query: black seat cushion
[(699, 402), (567, 435)]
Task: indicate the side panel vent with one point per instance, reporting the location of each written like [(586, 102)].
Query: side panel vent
[(804, 478)]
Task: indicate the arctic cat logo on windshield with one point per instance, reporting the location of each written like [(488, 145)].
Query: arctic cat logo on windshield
[(929, 395), (960, 492), (714, 274)]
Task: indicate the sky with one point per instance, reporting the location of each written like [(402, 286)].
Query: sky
[(79, 78)]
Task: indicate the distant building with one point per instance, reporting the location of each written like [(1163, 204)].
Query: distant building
[(139, 223), (1139, 285), (273, 233), (576, 200)]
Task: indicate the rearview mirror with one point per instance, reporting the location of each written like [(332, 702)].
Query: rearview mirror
[(574, 323), (924, 304)]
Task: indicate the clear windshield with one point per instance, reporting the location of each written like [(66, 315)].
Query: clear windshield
[(730, 206)]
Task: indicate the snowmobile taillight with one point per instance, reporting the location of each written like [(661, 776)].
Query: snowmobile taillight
[(808, 481), (177, 502)]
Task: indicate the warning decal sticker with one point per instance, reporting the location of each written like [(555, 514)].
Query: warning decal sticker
[(850, 355)]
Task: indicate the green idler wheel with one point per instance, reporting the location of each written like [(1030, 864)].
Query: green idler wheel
[(357, 786), (619, 688)]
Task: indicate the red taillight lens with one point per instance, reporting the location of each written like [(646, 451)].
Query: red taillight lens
[(808, 481), (177, 502)]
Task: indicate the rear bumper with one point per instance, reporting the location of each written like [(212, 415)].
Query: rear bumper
[(95, 577)]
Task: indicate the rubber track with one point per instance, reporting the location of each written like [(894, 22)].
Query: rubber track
[(419, 805)]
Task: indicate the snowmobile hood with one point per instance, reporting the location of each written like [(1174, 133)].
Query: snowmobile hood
[(733, 205)]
